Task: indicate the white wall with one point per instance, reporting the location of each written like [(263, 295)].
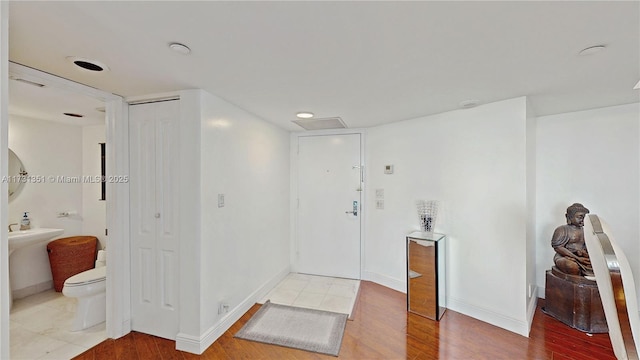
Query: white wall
[(474, 162), (47, 149), (244, 246), (591, 157), (531, 291), (190, 229), (94, 211), (246, 242)]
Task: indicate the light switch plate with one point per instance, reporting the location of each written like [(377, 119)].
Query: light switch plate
[(388, 169), (220, 200), (379, 193), (380, 204)]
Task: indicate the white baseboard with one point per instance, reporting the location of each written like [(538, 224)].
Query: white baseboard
[(31, 290), (197, 345), (384, 280), (189, 343), (488, 316)]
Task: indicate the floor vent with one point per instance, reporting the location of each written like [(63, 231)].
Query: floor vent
[(321, 124)]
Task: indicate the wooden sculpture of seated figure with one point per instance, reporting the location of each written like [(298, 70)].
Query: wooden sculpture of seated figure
[(571, 293), (568, 241)]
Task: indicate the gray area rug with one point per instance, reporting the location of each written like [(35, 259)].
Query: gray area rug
[(299, 328)]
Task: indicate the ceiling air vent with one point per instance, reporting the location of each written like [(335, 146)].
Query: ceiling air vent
[(26, 81), (321, 124)]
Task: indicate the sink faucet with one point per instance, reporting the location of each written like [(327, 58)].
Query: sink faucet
[(10, 225)]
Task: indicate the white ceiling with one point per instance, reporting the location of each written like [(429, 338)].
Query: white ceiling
[(49, 103), (369, 63)]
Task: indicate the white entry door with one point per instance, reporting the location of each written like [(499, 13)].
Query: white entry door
[(154, 221), (329, 211)]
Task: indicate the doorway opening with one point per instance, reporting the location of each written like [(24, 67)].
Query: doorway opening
[(63, 151)]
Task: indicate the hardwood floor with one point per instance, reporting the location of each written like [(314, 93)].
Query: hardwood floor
[(382, 329)]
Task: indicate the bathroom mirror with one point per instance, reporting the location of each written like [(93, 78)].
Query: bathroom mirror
[(17, 175)]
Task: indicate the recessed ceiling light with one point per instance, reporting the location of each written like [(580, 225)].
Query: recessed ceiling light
[(304, 115), (591, 50), (181, 48), (86, 64), (637, 87), (468, 104), (74, 115)]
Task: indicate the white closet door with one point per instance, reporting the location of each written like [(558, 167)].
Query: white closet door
[(154, 221)]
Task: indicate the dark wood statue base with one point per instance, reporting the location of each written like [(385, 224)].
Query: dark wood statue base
[(575, 301)]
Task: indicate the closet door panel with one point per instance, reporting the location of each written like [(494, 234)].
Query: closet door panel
[(154, 230), (166, 169), (167, 154), (144, 169)]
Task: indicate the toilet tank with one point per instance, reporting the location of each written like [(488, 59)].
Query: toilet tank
[(101, 259)]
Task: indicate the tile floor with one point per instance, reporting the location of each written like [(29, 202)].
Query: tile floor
[(315, 292), (39, 328)]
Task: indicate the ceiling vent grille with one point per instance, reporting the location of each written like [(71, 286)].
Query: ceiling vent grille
[(26, 81), (321, 124)]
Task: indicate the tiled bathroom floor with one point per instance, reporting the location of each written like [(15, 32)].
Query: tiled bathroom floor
[(39, 328), (315, 292)]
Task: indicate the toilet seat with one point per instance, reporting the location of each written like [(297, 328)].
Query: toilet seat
[(87, 277)]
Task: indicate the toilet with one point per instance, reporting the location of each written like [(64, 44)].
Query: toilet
[(89, 287)]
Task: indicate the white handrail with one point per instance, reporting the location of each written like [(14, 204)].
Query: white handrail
[(616, 287)]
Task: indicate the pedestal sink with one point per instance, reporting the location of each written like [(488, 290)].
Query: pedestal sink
[(24, 238)]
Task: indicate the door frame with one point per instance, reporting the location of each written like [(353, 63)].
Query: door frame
[(293, 197), (117, 206)]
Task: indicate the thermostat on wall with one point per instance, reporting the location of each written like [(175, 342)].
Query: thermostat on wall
[(388, 169)]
